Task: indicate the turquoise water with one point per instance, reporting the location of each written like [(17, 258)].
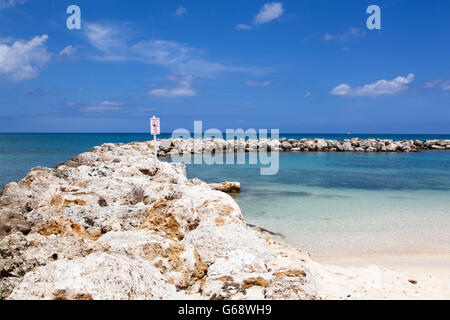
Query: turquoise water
[(21, 152), (348, 203), (328, 203)]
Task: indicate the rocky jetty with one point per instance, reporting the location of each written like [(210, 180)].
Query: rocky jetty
[(169, 147), (111, 224)]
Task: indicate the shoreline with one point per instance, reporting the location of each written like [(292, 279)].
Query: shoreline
[(424, 262), (112, 224)]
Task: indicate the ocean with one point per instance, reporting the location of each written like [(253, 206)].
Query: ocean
[(328, 203)]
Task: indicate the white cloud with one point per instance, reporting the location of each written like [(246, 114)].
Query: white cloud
[(180, 11), (251, 83), (307, 95), (443, 85), (10, 3), (178, 57), (351, 34), (162, 52), (269, 12), (183, 88), (115, 45), (208, 69), (172, 93), (103, 107), (106, 38), (379, 88), (68, 52), (243, 27), (21, 60)]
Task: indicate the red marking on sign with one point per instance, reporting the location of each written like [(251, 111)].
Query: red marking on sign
[(155, 126)]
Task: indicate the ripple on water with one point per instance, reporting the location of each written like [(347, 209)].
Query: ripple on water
[(351, 203)]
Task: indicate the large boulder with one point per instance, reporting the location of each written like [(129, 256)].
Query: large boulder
[(165, 145), (347, 146), (286, 146), (20, 254), (227, 187), (310, 145), (321, 144), (99, 276), (180, 262)]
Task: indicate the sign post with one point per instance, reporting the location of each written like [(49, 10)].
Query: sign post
[(155, 128)]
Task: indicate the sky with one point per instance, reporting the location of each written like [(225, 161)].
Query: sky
[(297, 66)]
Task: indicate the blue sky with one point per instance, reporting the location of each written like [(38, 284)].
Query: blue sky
[(298, 66)]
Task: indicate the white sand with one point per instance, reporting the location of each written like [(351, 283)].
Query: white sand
[(386, 277)]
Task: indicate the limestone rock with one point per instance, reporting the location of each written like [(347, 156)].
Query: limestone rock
[(321, 145), (236, 262), (20, 254), (286, 145), (179, 262), (347, 146), (13, 222), (227, 187), (64, 227), (218, 241), (165, 145), (171, 147), (99, 276)]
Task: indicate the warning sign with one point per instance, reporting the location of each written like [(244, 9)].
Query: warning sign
[(155, 126)]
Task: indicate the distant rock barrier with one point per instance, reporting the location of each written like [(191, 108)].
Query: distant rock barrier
[(169, 147)]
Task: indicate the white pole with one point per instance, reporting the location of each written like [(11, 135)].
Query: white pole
[(154, 145), (156, 154)]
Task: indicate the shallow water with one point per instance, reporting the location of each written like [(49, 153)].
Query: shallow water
[(328, 203), (348, 203)]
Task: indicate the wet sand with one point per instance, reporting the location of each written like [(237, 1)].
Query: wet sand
[(437, 265)]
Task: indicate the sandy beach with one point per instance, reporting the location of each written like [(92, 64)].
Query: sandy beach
[(110, 224), (433, 265)]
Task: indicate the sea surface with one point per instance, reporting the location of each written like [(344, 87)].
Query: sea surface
[(349, 204)]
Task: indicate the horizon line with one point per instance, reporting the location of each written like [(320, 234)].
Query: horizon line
[(165, 133)]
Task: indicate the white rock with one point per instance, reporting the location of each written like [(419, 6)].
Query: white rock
[(179, 262), (236, 262), (99, 276), (321, 144), (214, 242)]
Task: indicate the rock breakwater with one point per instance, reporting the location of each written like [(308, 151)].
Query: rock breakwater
[(196, 146)]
